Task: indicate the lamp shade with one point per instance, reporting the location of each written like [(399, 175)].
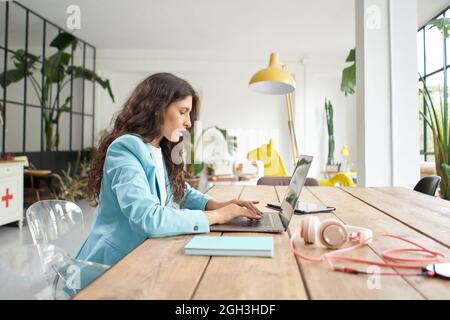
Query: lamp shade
[(273, 79)]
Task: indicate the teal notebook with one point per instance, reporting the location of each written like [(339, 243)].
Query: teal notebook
[(230, 246)]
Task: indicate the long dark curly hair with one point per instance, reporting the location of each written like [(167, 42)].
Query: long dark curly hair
[(143, 114)]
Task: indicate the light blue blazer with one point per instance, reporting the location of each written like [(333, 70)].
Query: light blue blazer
[(130, 207)]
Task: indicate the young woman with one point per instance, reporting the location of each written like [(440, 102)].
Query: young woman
[(139, 188)]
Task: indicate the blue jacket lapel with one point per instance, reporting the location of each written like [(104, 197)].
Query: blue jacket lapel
[(158, 183)]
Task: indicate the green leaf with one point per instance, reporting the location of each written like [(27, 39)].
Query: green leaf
[(106, 85), (198, 167), (86, 74), (445, 187), (65, 107), (193, 169), (64, 40), (55, 66), (60, 58), (348, 82), (11, 76), (25, 62), (351, 56), (443, 24), (80, 72)]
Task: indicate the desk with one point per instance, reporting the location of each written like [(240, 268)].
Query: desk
[(158, 269), (235, 181)]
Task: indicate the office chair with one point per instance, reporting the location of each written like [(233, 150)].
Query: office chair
[(28, 272), (56, 223), (428, 185), (340, 178), (38, 184)]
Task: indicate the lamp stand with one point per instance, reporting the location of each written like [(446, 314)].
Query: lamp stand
[(292, 135)]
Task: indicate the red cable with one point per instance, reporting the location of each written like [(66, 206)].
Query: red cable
[(387, 255)]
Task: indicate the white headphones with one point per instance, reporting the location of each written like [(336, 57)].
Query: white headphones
[(332, 233)]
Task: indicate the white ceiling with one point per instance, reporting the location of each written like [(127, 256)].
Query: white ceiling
[(427, 9), (241, 27)]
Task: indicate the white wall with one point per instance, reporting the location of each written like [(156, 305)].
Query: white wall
[(323, 79), (222, 77), (229, 104), (226, 100)]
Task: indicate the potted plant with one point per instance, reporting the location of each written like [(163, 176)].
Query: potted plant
[(57, 73), (331, 164), (330, 127), (73, 182), (195, 166), (437, 119)]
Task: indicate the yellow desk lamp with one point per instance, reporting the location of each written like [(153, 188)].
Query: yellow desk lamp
[(275, 80)]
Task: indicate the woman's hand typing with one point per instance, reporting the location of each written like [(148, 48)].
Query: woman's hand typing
[(223, 212)]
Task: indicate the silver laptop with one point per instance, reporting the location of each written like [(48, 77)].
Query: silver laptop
[(274, 221)]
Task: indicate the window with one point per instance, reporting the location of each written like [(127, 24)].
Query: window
[(21, 112), (433, 61)]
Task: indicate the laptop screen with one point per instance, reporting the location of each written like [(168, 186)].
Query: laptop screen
[(294, 189)]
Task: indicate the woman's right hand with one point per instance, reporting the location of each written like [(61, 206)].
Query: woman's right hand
[(229, 212)]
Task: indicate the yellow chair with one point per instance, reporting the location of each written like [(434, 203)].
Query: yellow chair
[(273, 164), (340, 178)]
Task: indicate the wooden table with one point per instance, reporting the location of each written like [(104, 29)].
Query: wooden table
[(158, 269)]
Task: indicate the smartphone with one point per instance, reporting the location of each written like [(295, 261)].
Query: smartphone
[(304, 208)]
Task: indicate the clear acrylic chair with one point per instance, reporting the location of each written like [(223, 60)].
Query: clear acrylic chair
[(24, 276), (32, 272), (54, 225)]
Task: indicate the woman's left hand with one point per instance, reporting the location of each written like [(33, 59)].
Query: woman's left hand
[(247, 204)]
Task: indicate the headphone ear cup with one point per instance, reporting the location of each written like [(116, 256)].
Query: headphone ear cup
[(303, 227), (309, 229), (332, 233)]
